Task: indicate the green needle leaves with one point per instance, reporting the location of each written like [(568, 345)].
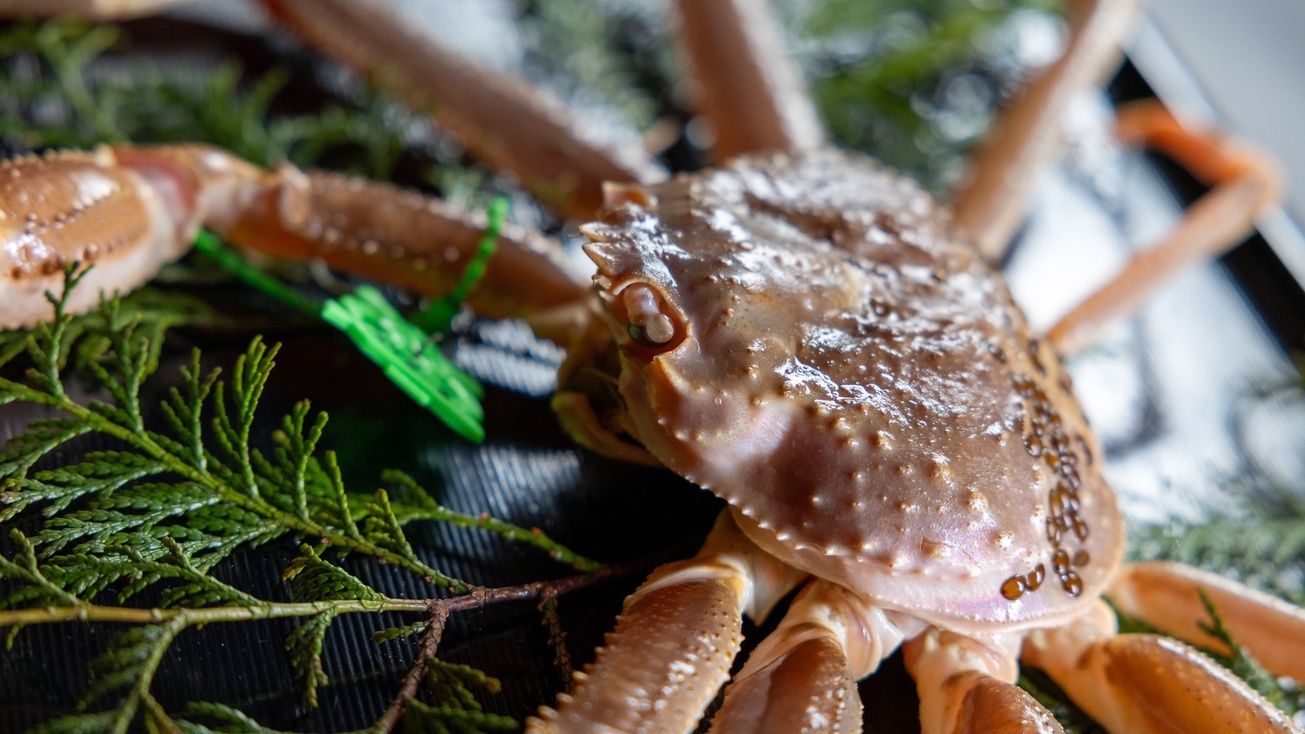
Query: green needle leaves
[(180, 487)]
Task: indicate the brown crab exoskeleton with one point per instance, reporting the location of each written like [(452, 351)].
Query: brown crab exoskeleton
[(800, 331)]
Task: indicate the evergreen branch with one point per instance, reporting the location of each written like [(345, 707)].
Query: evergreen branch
[(295, 457), (231, 720), (12, 344), (248, 380), (455, 720), (304, 646), (312, 579), (101, 473), (119, 518), (157, 720), (382, 529), (390, 634), (1265, 550), (338, 499), (84, 612), (133, 657), (247, 499), (96, 723), (69, 49), (556, 636), (90, 337), (184, 410), (430, 642), (87, 575), (121, 370), (131, 661), (27, 448), (456, 708), (441, 609), (48, 361), (424, 507), (34, 586)]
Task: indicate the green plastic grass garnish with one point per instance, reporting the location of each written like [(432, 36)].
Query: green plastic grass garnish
[(409, 358), (403, 350)]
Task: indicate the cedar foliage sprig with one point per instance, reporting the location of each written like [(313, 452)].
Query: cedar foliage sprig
[(196, 490), (168, 503), (198, 482)]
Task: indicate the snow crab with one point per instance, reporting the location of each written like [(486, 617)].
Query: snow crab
[(798, 330)]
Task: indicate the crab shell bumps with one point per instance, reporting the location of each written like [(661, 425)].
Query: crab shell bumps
[(860, 387)]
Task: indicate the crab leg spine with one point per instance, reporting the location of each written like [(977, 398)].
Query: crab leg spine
[(674, 641)]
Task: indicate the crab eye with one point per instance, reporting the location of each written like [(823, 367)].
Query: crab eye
[(648, 322)]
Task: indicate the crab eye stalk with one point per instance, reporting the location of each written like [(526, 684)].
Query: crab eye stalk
[(647, 319)]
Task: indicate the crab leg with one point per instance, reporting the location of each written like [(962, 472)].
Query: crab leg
[(1167, 596), (87, 9), (746, 84), (990, 203), (967, 686), (1145, 684), (501, 121), (803, 676), (128, 210), (1246, 181), (674, 641)]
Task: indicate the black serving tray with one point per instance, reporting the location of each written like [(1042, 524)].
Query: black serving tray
[(1169, 391)]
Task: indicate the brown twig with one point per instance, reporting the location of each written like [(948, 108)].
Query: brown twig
[(430, 642), (441, 609), (556, 635)]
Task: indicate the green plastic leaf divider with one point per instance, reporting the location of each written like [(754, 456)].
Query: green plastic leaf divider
[(404, 351)]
